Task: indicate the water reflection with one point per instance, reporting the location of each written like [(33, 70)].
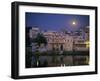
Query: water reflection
[(58, 60)]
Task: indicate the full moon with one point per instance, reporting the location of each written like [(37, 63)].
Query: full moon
[(73, 23)]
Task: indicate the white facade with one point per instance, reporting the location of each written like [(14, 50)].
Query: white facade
[(59, 41), (63, 42), (81, 43), (33, 32)]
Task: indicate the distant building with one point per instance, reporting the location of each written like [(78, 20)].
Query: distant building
[(27, 36), (81, 41), (76, 41), (80, 45), (33, 32), (59, 41), (86, 30)]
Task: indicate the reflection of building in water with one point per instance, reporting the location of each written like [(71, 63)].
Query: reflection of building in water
[(59, 41)]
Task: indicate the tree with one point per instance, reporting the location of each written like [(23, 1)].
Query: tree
[(40, 39)]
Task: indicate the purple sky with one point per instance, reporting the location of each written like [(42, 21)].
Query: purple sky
[(56, 22)]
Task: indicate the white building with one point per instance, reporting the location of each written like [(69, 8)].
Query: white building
[(81, 42), (80, 45), (59, 41), (64, 42), (33, 32)]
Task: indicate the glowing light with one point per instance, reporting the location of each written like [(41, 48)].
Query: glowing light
[(73, 23), (87, 44)]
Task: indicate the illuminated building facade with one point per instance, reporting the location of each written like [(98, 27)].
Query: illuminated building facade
[(81, 42), (64, 42), (59, 41)]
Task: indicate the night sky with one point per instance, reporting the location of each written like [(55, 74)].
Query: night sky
[(56, 22)]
